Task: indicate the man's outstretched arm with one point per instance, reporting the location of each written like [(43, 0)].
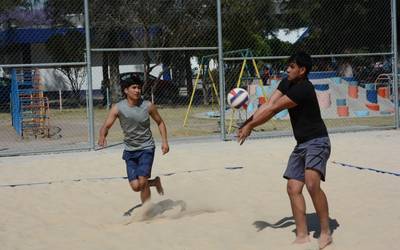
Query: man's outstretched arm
[(264, 114)]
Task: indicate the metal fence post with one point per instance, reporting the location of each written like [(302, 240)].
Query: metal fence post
[(108, 98), (221, 72), (89, 76), (394, 64)]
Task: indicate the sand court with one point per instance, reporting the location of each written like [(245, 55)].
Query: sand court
[(218, 195)]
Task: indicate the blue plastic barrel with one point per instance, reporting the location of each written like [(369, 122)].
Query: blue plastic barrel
[(348, 79), (353, 83), (372, 96), (341, 102), (321, 86), (321, 74)]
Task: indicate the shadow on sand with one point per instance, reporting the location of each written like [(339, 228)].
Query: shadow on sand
[(158, 208), (163, 206), (312, 221)]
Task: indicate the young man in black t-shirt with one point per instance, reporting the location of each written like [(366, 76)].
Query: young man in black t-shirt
[(307, 163)]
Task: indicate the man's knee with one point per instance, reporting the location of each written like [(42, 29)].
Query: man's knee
[(312, 181), (143, 183), (313, 187), (294, 188), (135, 185)]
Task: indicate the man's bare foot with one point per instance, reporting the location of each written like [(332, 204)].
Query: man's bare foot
[(158, 185), (324, 240), (301, 240)]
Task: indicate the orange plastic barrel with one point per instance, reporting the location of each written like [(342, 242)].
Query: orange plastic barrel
[(383, 92), (353, 91), (343, 110), (372, 106)]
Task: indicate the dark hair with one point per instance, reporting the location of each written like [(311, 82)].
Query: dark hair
[(128, 81), (302, 59)]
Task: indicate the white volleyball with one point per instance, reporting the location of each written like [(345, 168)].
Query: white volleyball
[(237, 97)]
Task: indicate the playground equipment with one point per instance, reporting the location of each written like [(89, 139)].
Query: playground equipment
[(323, 93), (30, 109), (204, 71), (262, 98)]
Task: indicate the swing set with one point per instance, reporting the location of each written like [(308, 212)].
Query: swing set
[(244, 75)]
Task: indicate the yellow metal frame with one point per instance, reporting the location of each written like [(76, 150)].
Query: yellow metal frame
[(194, 90), (238, 85), (202, 67)]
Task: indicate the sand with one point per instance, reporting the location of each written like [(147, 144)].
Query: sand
[(218, 195)]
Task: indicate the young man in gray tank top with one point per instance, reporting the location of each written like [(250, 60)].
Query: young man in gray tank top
[(134, 115), (307, 163)]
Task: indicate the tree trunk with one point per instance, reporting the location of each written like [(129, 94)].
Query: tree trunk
[(116, 95), (105, 84), (146, 64), (179, 69)]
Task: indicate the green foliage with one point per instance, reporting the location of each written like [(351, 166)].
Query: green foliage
[(68, 47), (58, 11), (345, 26), (12, 4), (246, 23)]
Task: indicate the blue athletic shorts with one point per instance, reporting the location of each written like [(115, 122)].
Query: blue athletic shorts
[(312, 154), (138, 163)]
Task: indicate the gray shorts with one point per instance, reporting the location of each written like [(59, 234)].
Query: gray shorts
[(312, 154)]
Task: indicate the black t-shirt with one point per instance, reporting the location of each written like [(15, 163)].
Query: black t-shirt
[(305, 117)]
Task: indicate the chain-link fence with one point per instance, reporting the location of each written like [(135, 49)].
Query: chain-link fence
[(161, 41), (351, 44), (44, 93), (58, 81)]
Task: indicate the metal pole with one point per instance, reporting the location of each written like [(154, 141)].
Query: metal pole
[(221, 72), (108, 98), (313, 56), (152, 49), (42, 65), (60, 99), (394, 64), (89, 76)]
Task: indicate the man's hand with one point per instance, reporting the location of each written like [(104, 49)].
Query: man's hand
[(102, 142), (165, 148), (243, 133)]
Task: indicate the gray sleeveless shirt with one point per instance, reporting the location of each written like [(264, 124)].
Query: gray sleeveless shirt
[(135, 124)]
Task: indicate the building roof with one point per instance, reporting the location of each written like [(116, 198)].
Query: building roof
[(31, 35)]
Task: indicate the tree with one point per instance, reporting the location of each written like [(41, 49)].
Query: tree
[(106, 29), (146, 24), (188, 24), (346, 26), (59, 11), (69, 48), (22, 13), (7, 5), (247, 23)]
